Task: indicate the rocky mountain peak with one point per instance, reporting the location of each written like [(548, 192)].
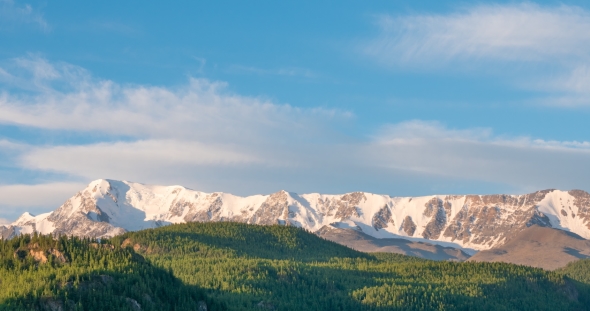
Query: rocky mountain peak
[(109, 207)]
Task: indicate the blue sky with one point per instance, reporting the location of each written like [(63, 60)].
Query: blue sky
[(394, 97)]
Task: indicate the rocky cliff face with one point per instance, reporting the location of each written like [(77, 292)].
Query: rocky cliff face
[(108, 207)]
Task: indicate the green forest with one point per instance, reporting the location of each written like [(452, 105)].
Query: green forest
[(234, 266)]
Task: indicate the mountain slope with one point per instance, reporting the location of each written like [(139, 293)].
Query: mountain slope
[(365, 243), (538, 247), (250, 267), (237, 266), (107, 208)]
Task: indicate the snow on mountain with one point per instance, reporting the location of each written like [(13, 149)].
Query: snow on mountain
[(477, 222)]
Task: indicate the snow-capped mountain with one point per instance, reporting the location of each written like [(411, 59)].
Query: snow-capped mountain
[(109, 207)]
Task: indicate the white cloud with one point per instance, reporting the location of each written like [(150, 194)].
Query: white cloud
[(200, 110), (41, 69), (202, 136), (417, 149), (154, 133), (477, 154), (50, 195), (570, 89), (138, 160), (5, 76), (540, 48), (12, 14), (520, 32), (5, 144), (16, 199)]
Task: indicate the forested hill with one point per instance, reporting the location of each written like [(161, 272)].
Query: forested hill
[(42, 273), (235, 266)]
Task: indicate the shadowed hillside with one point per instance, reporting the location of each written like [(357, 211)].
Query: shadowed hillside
[(251, 267)]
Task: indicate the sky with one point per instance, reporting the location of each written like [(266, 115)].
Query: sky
[(404, 98)]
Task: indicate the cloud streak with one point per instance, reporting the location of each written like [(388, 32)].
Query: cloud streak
[(19, 198), (12, 15), (540, 48), (477, 154), (419, 150), (570, 89), (49, 194), (144, 159), (66, 97), (521, 32)]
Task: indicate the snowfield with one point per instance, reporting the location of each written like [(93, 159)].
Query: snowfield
[(471, 222)]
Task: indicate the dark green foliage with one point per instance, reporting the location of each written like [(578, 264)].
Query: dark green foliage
[(579, 273), (230, 239), (247, 267), (578, 270), (284, 268), (81, 274)]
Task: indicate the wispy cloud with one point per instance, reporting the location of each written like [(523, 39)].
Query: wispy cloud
[(531, 43), (567, 89), (66, 97), (48, 194), (4, 76), (415, 149), (14, 15), (19, 198), (202, 135), (429, 147), (35, 74), (197, 125), (203, 62), (140, 160), (521, 32), (5, 144)]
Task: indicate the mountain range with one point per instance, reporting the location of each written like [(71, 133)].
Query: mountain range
[(470, 223)]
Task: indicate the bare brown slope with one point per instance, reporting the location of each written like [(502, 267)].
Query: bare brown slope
[(365, 243), (540, 247)]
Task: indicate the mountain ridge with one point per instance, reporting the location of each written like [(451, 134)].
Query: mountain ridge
[(472, 222)]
